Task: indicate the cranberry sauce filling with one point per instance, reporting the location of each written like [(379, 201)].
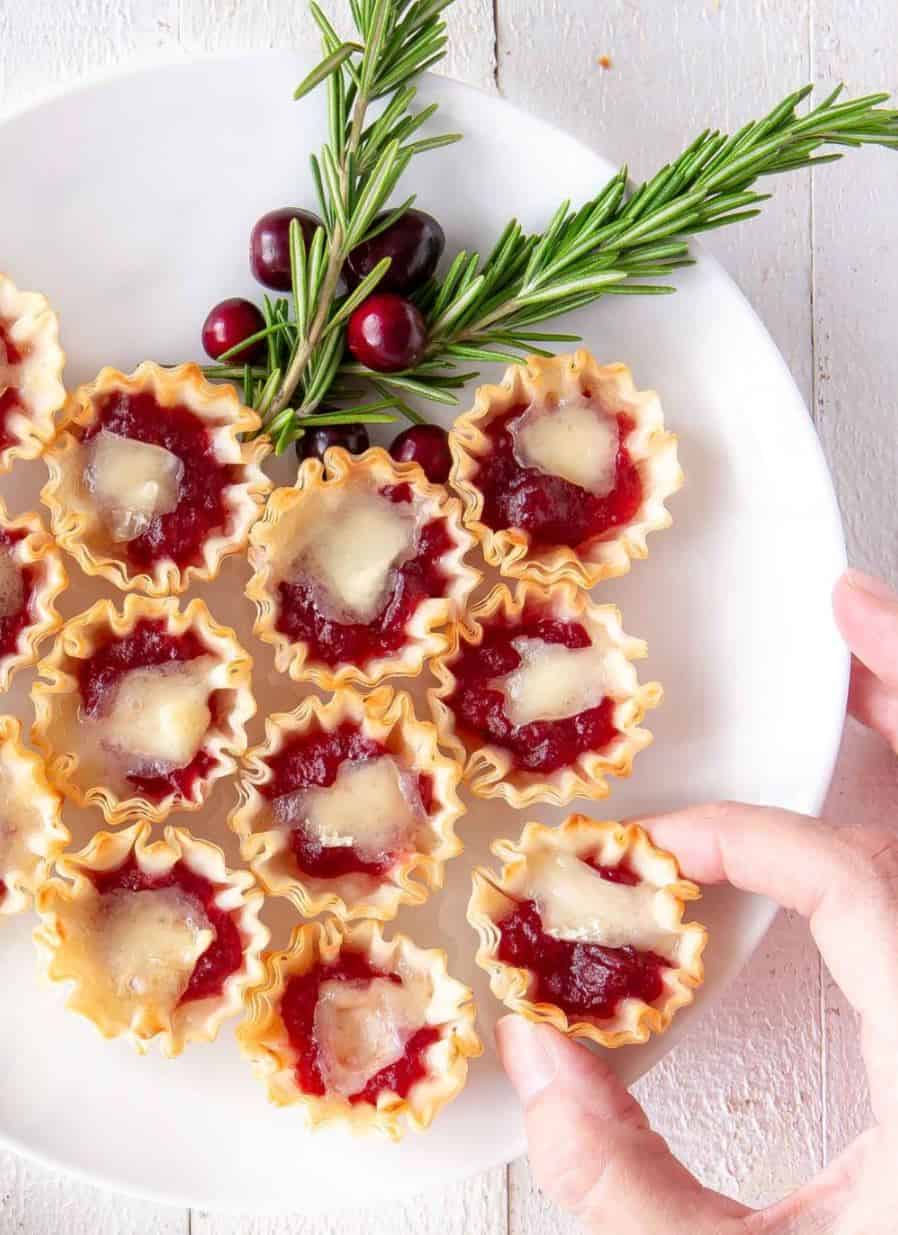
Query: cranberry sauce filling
[(12, 625), (583, 979), (201, 510), (541, 745), (148, 645), (298, 1014), (417, 580), (10, 400), (224, 955), (312, 760), (551, 510)]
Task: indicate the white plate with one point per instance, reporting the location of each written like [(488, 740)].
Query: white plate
[(130, 204)]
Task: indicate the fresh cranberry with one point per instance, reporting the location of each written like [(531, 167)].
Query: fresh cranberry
[(229, 323), (414, 243), (314, 442), (428, 446), (269, 245), (387, 333)]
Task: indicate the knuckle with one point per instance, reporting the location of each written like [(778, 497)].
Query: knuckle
[(875, 853)]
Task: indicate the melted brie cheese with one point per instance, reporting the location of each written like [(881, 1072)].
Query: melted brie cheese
[(575, 441), (160, 715), (150, 942), (353, 551), (576, 904), (362, 1028), (370, 806), (553, 681), (12, 589), (132, 482)]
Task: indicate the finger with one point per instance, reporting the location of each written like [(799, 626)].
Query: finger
[(866, 612), (591, 1147), (845, 881), (873, 703)]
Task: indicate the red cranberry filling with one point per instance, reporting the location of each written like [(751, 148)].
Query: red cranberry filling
[(583, 979), (201, 511), (147, 646), (13, 624), (553, 511), (298, 1013), (312, 760), (541, 745), (224, 955), (10, 400), (356, 643)]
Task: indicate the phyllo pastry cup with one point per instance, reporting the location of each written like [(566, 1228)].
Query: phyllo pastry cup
[(139, 710), (31, 365), (32, 577), (31, 831), (359, 568), (538, 696), (360, 1030), (564, 469), (583, 929), (349, 807), (158, 938), (153, 483)]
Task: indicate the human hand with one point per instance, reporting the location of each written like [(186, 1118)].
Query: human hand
[(590, 1144)]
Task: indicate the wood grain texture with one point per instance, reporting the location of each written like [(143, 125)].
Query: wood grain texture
[(770, 1084)]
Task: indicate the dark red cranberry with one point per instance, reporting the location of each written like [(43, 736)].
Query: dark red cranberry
[(415, 244), (228, 324), (269, 245), (314, 442), (387, 333), (428, 446)]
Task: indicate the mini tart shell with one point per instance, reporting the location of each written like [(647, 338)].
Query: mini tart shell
[(74, 517), (66, 899), (269, 557), (263, 1037), (40, 834), (33, 325), (489, 769), (56, 695), (634, 1020), (388, 717), (37, 550), (653, 450)]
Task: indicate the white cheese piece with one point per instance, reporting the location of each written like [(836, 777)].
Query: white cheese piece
[(362, 1028), (160, 715), (575, 440), (151, 941), (575, 903), (553, 681), (371, 806), (12, 589), (353, 552), (132, 482)]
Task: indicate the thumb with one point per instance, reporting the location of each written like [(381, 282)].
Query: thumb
[(591, 1147)]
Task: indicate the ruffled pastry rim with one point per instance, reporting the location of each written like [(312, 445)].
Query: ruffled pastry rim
[(47, 837), (37, 549), (488, 769), (652, 448), (77, 640), (194, 1021), (34, 324), (226, 419), (634, 1020), (384, 715), (263, 1040), (426, 638)]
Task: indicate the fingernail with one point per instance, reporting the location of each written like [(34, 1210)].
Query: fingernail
[(870, 585), (530, 1065)]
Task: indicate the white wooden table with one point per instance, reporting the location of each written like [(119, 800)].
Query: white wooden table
[(769, 1086)]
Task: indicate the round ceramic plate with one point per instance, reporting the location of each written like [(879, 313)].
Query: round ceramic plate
[(129, 203)]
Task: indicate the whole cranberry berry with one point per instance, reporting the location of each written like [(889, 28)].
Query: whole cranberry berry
[(314, 442), (428, 446), (414, 243), (269, 245), (229, 323), (387, 333)]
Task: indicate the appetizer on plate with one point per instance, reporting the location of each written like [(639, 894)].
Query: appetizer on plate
[(32, 834), (31, 365)]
